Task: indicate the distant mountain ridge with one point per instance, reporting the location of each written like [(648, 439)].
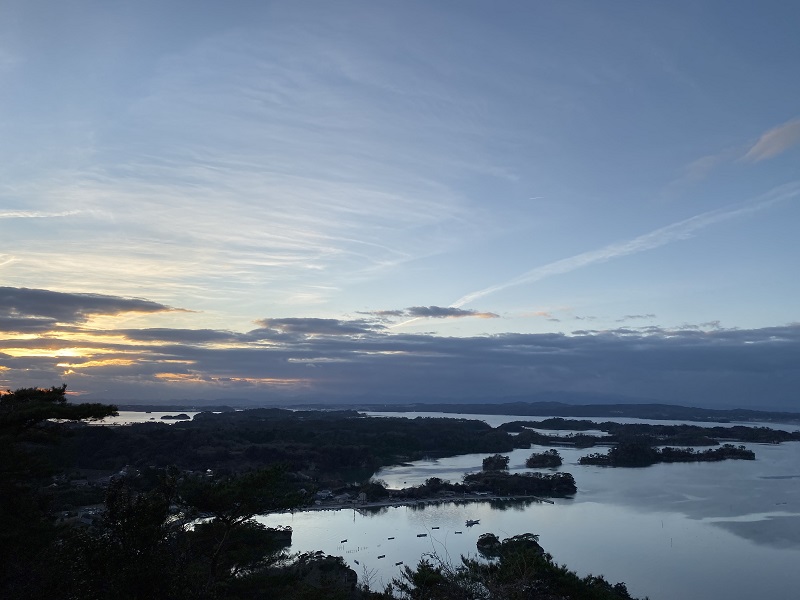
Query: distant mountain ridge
[(668, 412)]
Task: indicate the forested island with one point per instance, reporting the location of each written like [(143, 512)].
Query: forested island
[(150, 483), (684, 435), (544, 460), (642, 454)]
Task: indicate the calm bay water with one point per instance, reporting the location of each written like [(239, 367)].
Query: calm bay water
[(706, 531), (130, 417)]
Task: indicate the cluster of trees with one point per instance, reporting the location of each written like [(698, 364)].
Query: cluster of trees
[(543, 460), (519, 569), (25, 426), (331, 446), (181, 537), (500, 483), (192, 537), (642, 454), (536, 484), (537, 460), (496, 462)]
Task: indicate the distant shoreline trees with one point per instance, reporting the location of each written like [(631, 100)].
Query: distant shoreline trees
[(642, 454)]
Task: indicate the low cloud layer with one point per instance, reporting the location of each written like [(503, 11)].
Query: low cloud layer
[(316, 360), (433, 312), (449, 312)]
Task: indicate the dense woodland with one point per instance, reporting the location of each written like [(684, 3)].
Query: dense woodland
[(153, 481), (329, 445)]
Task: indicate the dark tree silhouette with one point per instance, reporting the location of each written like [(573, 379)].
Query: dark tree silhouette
[(27, 425)]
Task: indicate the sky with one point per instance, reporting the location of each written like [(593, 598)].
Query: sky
[(387, 200)]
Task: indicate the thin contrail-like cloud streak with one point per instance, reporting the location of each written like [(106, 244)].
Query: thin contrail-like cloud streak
[(660, 237), (34, 214)]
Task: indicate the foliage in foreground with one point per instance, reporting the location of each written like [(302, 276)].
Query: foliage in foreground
[(25, 424), (181, 537), (522, 571)]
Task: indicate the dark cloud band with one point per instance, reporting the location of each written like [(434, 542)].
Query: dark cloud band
[(25, 307)]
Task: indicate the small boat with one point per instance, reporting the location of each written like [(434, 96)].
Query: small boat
[(343, 541), (458, 532), (391, 538), (422, 535), (397, 564), (471, 522), (434, 528), (356, 561), (381, 556)]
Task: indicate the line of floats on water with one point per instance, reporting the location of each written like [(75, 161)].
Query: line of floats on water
[(430, 501), (468, 523)]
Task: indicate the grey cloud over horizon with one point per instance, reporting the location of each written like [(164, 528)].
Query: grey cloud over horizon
[(433, 312), (187, 336), (635, 317), (329, 359), (313, 326), (440, 312)]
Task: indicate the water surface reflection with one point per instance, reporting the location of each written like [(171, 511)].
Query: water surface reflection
[(704, 531)]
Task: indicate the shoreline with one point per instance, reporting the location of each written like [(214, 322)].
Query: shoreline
[(422, 502)]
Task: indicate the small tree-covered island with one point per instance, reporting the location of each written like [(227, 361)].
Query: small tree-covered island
[(167, 510), (544, 460), (641, 454)]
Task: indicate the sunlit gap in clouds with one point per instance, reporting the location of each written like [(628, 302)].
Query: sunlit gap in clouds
[(90, 364), (224, 380), (50, 352)]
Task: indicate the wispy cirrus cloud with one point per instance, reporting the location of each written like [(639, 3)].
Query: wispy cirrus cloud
[(278, 163), (35, 214), (775, 141), (648, 241), (770, 144), (701, 168), (625, 318)]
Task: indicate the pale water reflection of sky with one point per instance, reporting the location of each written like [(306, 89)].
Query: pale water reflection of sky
[(748, 511)]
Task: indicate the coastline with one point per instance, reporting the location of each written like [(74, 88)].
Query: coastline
[(421, 502)]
